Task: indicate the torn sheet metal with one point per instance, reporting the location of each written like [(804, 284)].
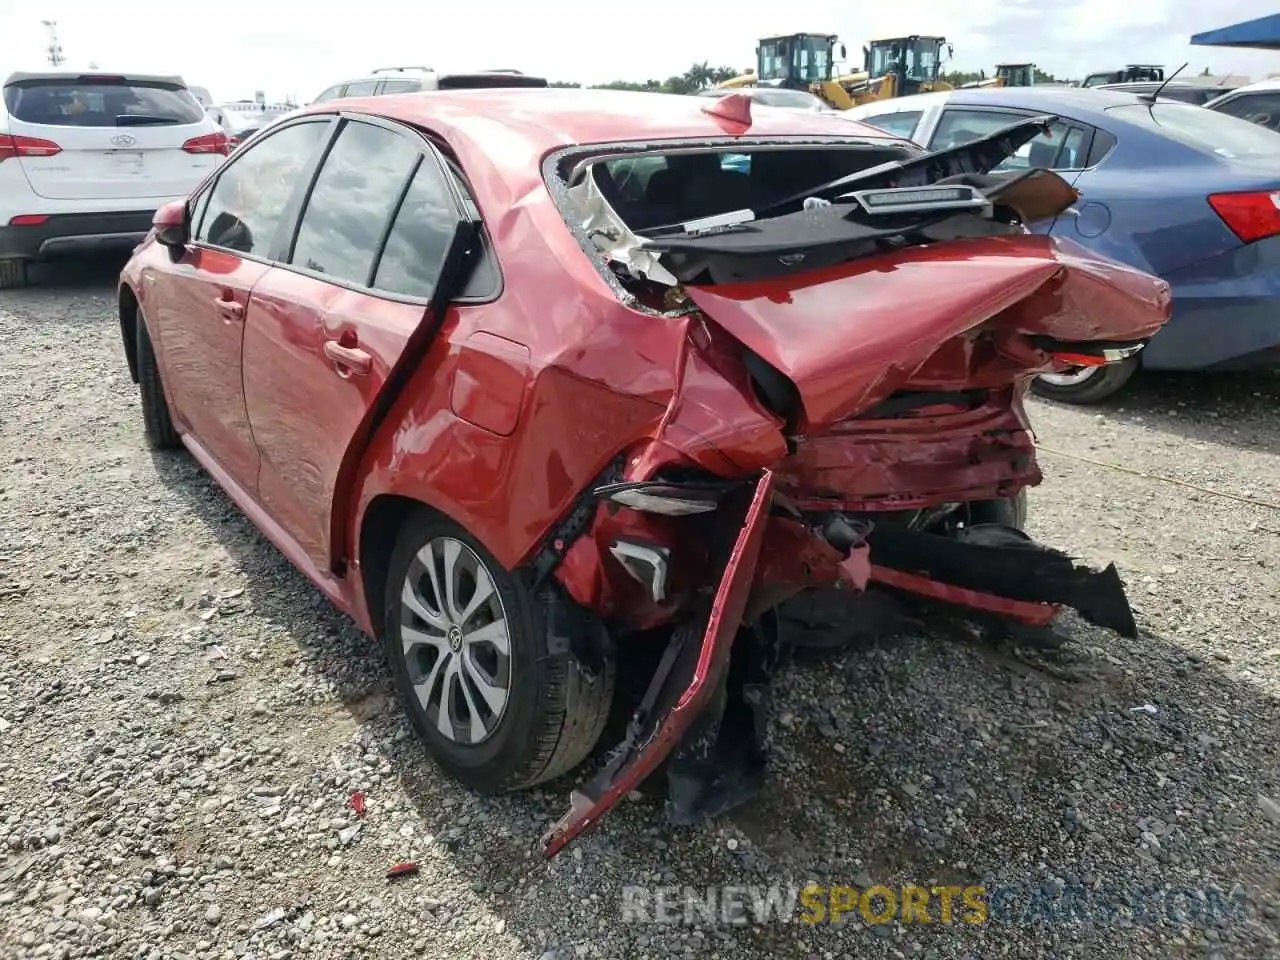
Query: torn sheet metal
[(685, 683), (617, 243)]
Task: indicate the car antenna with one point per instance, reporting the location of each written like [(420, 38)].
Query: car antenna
[(1156, 92)]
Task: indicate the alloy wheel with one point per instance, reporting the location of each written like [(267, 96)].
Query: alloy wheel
[(456, 640), (1071, 377)]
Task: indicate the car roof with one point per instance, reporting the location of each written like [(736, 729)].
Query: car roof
[(501, 135), (1152, 84), (547, 118), (1087, 104), (1082, 102)]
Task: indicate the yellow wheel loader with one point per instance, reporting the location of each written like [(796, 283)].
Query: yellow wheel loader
[(807, 61), (1007, 75)]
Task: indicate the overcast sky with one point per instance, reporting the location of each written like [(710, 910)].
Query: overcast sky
[(234, 47)]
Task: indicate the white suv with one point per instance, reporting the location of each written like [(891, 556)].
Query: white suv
[(85, 160), (388, 80)]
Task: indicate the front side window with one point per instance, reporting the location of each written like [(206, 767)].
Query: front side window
[(248, 200), (361, 88), (401, 86), (333, 93), (352, 201)]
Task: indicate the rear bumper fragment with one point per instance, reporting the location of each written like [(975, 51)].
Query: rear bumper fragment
[(1001, 570)]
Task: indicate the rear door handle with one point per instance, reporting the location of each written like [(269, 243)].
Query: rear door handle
[(229, 309), (349, 361)]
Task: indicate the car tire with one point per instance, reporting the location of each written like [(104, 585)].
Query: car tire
[(1010, 511), (1086, 385), (543, 712), (156, 422), (13, 274)]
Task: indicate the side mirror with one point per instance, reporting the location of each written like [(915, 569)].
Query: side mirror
[(843, 54), (170, 223)]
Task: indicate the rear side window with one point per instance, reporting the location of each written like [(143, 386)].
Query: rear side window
[(899, 124), (101, 102), (1260, 108), (419, 238), (1206, 130), (401, 86), (249, 198), (352, 202)]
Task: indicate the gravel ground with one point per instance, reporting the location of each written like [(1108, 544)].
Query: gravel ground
[(185, 718)]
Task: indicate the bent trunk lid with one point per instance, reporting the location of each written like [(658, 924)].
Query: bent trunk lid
[(850, 335)]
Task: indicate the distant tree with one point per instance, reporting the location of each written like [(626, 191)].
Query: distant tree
[(958, 78), (700, 76), (646, 86), (564, 83)]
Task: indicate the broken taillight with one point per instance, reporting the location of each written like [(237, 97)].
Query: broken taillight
[(668, 498), (1094, 353), (1251, 216), (13, 146)]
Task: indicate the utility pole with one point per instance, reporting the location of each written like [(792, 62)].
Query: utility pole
[(54, 49)]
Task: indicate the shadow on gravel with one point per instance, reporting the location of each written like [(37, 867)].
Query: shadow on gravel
[(1234, 409), (923, 755), (66, 275)]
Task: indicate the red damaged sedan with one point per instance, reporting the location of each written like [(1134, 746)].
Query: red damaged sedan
[(527, 381)]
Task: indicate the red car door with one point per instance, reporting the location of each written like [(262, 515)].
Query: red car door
[(202, 308), (329, 325)]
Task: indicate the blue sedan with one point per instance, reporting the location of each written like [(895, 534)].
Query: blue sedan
[(1182, 192)]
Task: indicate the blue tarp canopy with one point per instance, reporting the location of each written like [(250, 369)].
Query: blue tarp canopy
[(1260, 34)]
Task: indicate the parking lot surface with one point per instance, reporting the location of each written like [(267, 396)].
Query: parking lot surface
[(185, 719)]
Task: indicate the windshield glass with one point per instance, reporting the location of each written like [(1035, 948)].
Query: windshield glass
[(240, 117), (1204, 130), (918, 59), (787, 98), (798, 59), (922, 60)]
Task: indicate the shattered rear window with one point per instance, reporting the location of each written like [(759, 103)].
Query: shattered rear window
[(650, 190), (722, 213)]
